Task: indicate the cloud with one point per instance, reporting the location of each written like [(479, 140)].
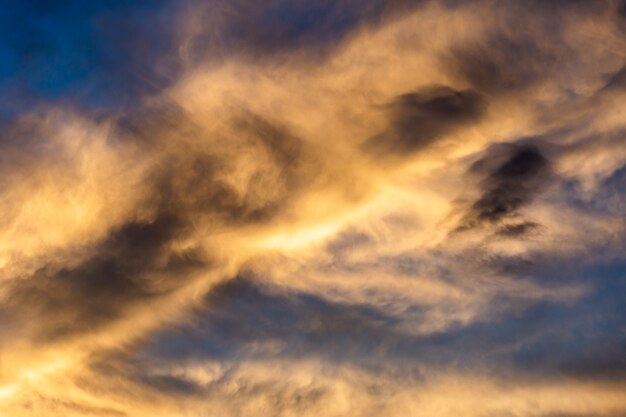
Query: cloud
[(519, 174), (396, 208), (420, 118)]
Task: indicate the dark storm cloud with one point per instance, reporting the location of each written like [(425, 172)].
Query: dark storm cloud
[(185, 190), (420, 118), (120, 273), (513, 175)]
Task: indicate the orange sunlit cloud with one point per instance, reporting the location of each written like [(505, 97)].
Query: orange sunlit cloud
[(280, 208)]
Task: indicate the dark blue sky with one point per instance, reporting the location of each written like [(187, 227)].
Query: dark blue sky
[(106, 55), (99, 54)]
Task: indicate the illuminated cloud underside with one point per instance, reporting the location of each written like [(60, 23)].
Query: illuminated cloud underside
[(416, 212)]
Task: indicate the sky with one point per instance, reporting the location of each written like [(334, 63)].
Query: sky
[(279, 208)]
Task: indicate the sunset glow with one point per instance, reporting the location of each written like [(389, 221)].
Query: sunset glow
[(313, 208)]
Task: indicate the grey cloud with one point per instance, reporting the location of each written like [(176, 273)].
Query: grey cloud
[(184, 190), (518, 229), (187, 183), (513, 175), (73, 300), (502, 63), (420, 118), (617, 81)]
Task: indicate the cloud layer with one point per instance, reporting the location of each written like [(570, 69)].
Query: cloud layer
[(341, 208)]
